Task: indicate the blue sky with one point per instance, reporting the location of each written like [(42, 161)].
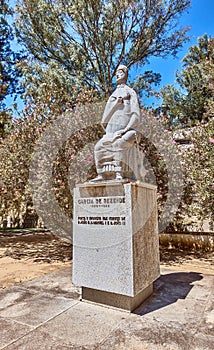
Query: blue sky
[(200, 17)]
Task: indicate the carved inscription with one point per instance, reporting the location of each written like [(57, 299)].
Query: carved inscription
[(102, 220), (101, 202)]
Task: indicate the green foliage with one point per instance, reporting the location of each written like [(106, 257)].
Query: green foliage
[(5, 51), (17, 149), (208, 76), (14, 168), (75, 49), (82, 43), (74, 163), (9, 74), (54, 87), (15, 156), (189, 103), (143, 84), (199, 169)]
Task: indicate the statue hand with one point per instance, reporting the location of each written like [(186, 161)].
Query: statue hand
[(120, 100), (103, 126), (119, 133)]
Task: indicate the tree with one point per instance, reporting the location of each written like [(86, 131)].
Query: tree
[(208, 76), (77, 46), (198, 168), (87, 40), (16, 152), (189, 103), (191, 107), (52, 86), (8, 72)]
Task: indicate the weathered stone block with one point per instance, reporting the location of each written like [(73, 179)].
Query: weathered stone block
[(115, 242)]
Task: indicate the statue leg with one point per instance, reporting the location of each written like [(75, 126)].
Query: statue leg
[(101, 155), (121, 150)]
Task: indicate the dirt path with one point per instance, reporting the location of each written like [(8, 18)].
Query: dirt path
[(14, 271), (183, 260), (26, 256), (29, 255)]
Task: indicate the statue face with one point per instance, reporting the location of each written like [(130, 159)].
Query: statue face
[(121, 76)]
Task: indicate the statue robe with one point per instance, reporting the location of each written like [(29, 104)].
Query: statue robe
[(121, 120)]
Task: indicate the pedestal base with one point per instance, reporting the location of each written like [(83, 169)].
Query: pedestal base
[(116, 300), (115, 242)]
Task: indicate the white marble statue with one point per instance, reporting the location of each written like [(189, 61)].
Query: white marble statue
[(116, 153)]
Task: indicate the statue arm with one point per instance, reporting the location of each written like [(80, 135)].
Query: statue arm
[(133, 123), (135, 114), (105, 117), (110, 108)]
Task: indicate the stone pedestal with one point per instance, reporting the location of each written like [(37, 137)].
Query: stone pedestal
[(115, 242)]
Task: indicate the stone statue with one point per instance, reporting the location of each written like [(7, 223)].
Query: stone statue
[(121, 119)]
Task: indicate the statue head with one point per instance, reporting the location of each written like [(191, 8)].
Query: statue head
[(122, 74)]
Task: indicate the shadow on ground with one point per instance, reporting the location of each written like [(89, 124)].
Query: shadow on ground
[(168, 289)]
